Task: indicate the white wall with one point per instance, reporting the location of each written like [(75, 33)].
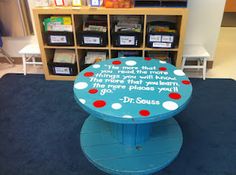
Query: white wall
[(204, 22), (203, 26), (14, 44)]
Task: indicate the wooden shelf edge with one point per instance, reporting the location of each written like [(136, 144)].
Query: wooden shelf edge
[(161, 49), (111, 11), (126, 48), (92, 48), (59, 77), (59, 47)]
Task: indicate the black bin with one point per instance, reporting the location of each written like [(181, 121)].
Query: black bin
[(127, 39), (65, 69), (92, 38), (59, 38), (161, 39)]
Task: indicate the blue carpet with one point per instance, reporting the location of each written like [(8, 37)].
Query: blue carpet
[(40, 125)]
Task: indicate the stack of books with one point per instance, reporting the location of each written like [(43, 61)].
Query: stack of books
[(64, 56), (128, 23), (58, 23), (94, 57)]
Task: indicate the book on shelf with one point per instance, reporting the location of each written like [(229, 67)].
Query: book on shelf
[(64, 56)]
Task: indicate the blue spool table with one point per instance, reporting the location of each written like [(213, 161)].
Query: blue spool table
[(131, 102)]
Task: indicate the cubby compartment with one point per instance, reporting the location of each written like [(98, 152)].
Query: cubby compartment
[(62, 62), (57, 30), (118, 3), (126, 53), (168, 56), (91, 30), (147, 3), (160, 3), (88, 57), (174, 3), (162, 31), (127, 30)]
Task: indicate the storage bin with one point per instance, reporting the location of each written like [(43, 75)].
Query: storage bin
[(94, 3), (92, 38), (65, 69), (161, 3), (163, 38), (59, 38), (82, 64), (129, 53), (127, 39), (118, 3)]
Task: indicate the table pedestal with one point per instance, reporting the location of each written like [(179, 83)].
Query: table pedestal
[(131, 134), (101, 142)]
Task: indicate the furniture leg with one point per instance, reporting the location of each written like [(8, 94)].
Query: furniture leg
[(204, 68), (5, 54), (198, 63), (33, 60), (183, 63), (24, 64)]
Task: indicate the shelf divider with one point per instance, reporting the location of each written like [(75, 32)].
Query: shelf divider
[(144, 34)]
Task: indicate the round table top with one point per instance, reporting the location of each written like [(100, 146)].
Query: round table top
[(132, 90)]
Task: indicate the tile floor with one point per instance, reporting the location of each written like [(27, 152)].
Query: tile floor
[(224, 63)]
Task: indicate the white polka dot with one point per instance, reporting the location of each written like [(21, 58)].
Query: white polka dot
[(123, 57), (127, 116), (96, 66), (116, 106), (170, 105), (81, 85), (83, 101), (130, 63), (179, 72), (162, 62)]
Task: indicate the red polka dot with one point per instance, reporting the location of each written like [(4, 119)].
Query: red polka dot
[(88, 74), (93, 91), (186, 82), (144, 113), (116, 62), (147, 58), (175, 96), (162, 69), (99, 103)]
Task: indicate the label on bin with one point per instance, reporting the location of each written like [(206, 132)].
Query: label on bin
[(91, 40), (95, 3), (62, 70), (169, 39), (164, 45), (154, 38), (58, 39), (59, 2), (127, 40)]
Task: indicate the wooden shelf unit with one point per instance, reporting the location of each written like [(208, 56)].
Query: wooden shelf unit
[(177, 14)]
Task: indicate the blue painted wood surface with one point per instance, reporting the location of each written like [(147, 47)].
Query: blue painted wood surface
[(107, 154), (132, 90), (135, 97), (131, 134)]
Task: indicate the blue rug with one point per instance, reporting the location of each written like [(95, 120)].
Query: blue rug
[(40, 126)]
